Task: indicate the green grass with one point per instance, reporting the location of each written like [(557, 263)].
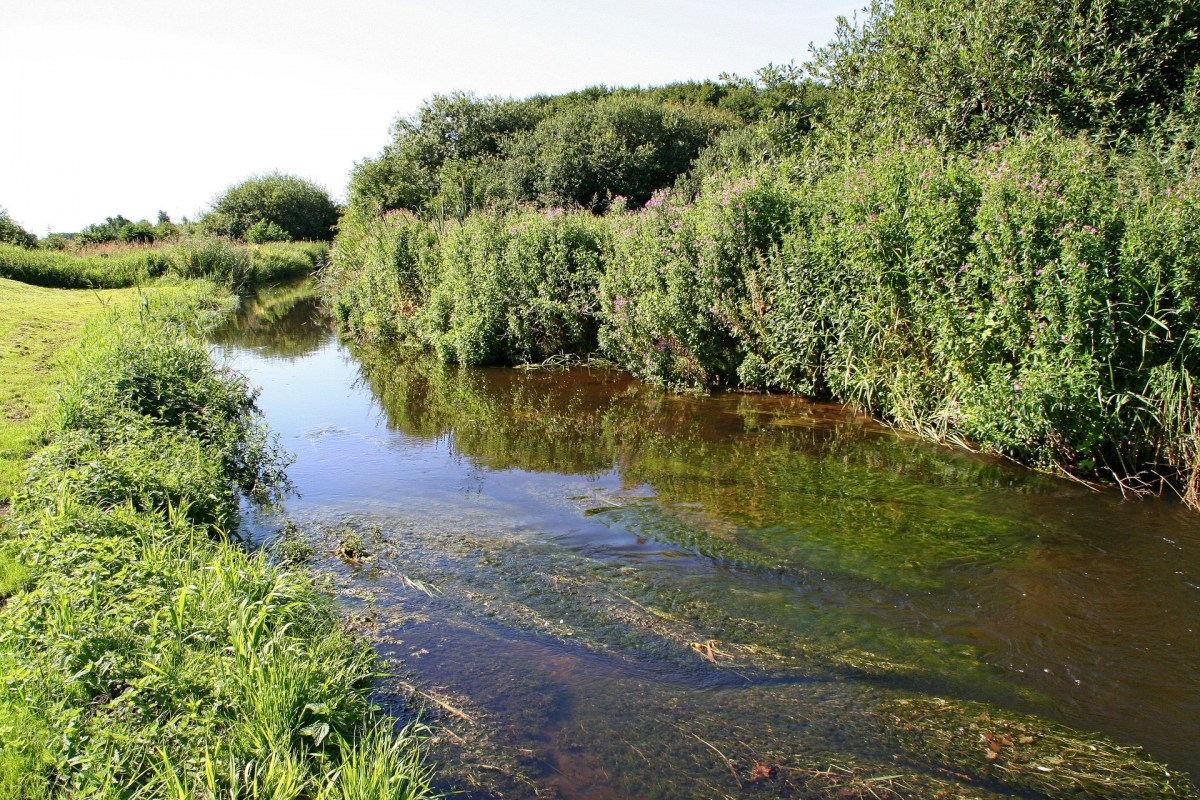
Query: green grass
[(143, 652), (36, 326), (233, 264)]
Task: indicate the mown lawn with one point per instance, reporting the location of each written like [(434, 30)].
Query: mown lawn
[(37, 326)]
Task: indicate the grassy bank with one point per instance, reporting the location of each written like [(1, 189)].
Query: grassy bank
[(114, 266), (143, 652), (36, 326), (1036, 299)]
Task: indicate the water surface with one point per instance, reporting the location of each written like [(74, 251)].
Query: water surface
[(617, 592)]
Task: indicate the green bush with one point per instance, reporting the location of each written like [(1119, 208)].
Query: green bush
[(266, 231), (461, 152), (618, 146), (499, 288), (136, 233), (516, 288), (379, 274), (298, 208), (682, 298)]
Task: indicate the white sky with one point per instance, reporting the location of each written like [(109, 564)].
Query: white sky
[(129, 106)]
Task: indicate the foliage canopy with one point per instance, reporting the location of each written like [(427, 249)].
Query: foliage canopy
[(12, 233), (960, 72), (298, 209)]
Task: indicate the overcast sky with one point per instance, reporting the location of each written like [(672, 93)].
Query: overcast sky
[(131, 106)]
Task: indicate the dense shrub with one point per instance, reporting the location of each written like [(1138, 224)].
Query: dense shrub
[(501, 288), (516, 288), (266, 231), (619, 146), (681, 297), (462, 152), (302, 210), (101, 232), (379, 274)]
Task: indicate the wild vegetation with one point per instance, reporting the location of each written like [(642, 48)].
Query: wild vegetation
[(143, 652), (230, 263), (587, 149), (12, 233), (1006, 262), (118, 229), (272, 208)]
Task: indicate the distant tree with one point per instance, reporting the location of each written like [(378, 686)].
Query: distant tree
[(458, 127), (140, 232), (620, 145), (299, 208), (12, 233), (460, 151), (101, 232), (164, 228)]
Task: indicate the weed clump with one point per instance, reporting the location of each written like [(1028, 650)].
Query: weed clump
[(1024, 753)]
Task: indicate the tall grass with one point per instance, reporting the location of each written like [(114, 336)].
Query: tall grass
[(143, 653), (232, 264), (496, 289), (1037, 299)]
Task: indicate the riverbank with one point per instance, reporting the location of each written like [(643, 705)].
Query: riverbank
[(143, 651), (37, 326), (1033, 299), (236, 265)]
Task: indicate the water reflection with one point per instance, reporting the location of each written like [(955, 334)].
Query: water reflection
[(280, 322), (766, 520)]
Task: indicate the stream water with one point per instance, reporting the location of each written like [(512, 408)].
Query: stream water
[(605, 591)]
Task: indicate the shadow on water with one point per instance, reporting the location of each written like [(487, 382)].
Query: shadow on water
[(604, 590)]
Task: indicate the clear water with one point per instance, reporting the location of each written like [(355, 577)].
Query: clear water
[(610, 591)]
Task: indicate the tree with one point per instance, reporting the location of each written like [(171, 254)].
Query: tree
[(12, 233), (620, 145), (101, 232), (302, 210), (960, 72), (458, 127)]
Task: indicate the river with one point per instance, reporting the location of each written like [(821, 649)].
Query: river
[(602, 590)]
